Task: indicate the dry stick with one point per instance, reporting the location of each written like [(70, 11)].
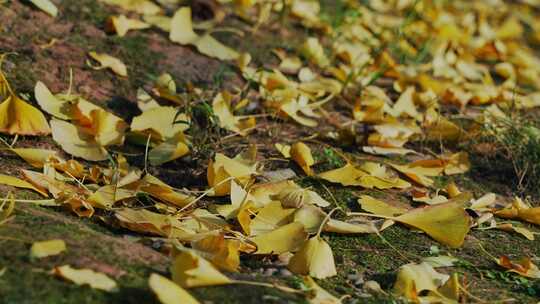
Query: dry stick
[(470, 295), (325, 220), (380, 235), (14, 141), (146, 153), (7, 238), (205, 193), (370, 215), (44, 201)]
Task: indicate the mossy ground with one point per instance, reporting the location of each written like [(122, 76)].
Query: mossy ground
[(93, 244)]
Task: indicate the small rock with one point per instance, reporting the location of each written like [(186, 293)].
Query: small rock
[(285, 273), (269, 272)]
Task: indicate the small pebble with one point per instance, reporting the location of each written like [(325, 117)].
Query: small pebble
[(269, 272), (285, 273)]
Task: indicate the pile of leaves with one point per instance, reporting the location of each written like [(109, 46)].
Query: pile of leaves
[(413, 76)]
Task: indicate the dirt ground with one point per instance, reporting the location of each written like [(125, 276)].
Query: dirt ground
[(47, 49)]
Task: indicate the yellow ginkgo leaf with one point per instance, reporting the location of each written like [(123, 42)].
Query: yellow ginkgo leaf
[(6, 207), (168, 292), (269, 218), (190, 270), (301, 111), (145, 221), (222, 168), (171, 149), (75, 142), (223, 253), (347, 175), (221, 106), (313, 50), (182, 32), (109, 62), (524, 267), (312, 217), (314, 258), (19, 183), (296, 197), (138, 6), (106, 196), (19, 117), (47, 6), (318, 295), (405, 105), (284, 149), (160, 190), (342, 227), (47, 248), (286, 238), (182, 27), (50, 103), (414, 278), (520, 210), (447, 223), (239, 196), (161, 122), (121, 25), (35, 157), (210, 46), (376, 206), (417, 174), (301, 154), (86, 277)]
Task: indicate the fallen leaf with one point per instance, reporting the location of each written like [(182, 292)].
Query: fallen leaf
[(86, 277), (301, 154), (19, 183), (318, 294), (35, 157), (137, 6), (109, 62), (169, 292), (270, 217), (76, 142), (47, 6), (314, 258), (6, 208), (223, 168), (121, 25), (523, 267), (182, 33), (47, 248), (376, 206), (520, 210), (227, 120), (18, 117), (447, 223), (413, 278), (286, 238), (284, 149), (342, 227), (223, 253), (190, 270)]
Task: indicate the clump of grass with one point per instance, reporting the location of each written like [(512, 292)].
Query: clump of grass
[(513, 148)]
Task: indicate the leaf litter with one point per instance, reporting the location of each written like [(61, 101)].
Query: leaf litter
[(239, 215)]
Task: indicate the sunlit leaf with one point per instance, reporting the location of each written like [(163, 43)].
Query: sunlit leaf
[(190, 270), (47, 248), (169, 292), (86, 277)]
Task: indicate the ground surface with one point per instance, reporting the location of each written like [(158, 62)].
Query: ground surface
[(130, 258)]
